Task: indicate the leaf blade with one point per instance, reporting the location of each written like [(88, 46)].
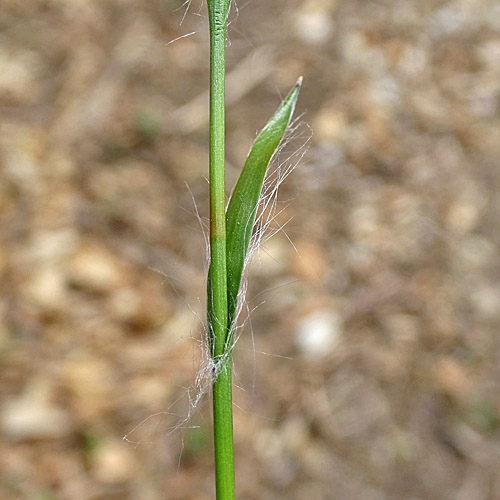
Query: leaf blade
[(243, 204)]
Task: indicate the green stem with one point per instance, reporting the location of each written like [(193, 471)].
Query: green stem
[(222, 390), (223, 433)]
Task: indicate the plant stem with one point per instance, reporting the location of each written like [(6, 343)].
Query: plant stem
[(222, 389), (223, 434)]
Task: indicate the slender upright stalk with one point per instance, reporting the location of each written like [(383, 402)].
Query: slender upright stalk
[(218, 316)]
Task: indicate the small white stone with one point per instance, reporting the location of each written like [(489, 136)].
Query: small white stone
[(51, 246), (95, 268), (113, 462), (319, 333), (462, 216), (313, 26), (32, 416), (46, 289), (486, 301), (126, 303)]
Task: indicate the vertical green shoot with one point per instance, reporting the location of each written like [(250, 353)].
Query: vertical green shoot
[(228, 250), (217, 287)]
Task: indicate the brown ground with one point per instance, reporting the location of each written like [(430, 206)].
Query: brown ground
[(376, 368)]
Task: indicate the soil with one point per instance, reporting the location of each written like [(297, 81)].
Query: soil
[(368, 362)]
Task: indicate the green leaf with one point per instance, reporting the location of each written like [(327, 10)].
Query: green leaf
[(242, 208)]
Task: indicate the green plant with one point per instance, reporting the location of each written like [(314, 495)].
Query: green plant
[(230, 234)]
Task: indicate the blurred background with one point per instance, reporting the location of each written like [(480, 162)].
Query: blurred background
[(370, 368)]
